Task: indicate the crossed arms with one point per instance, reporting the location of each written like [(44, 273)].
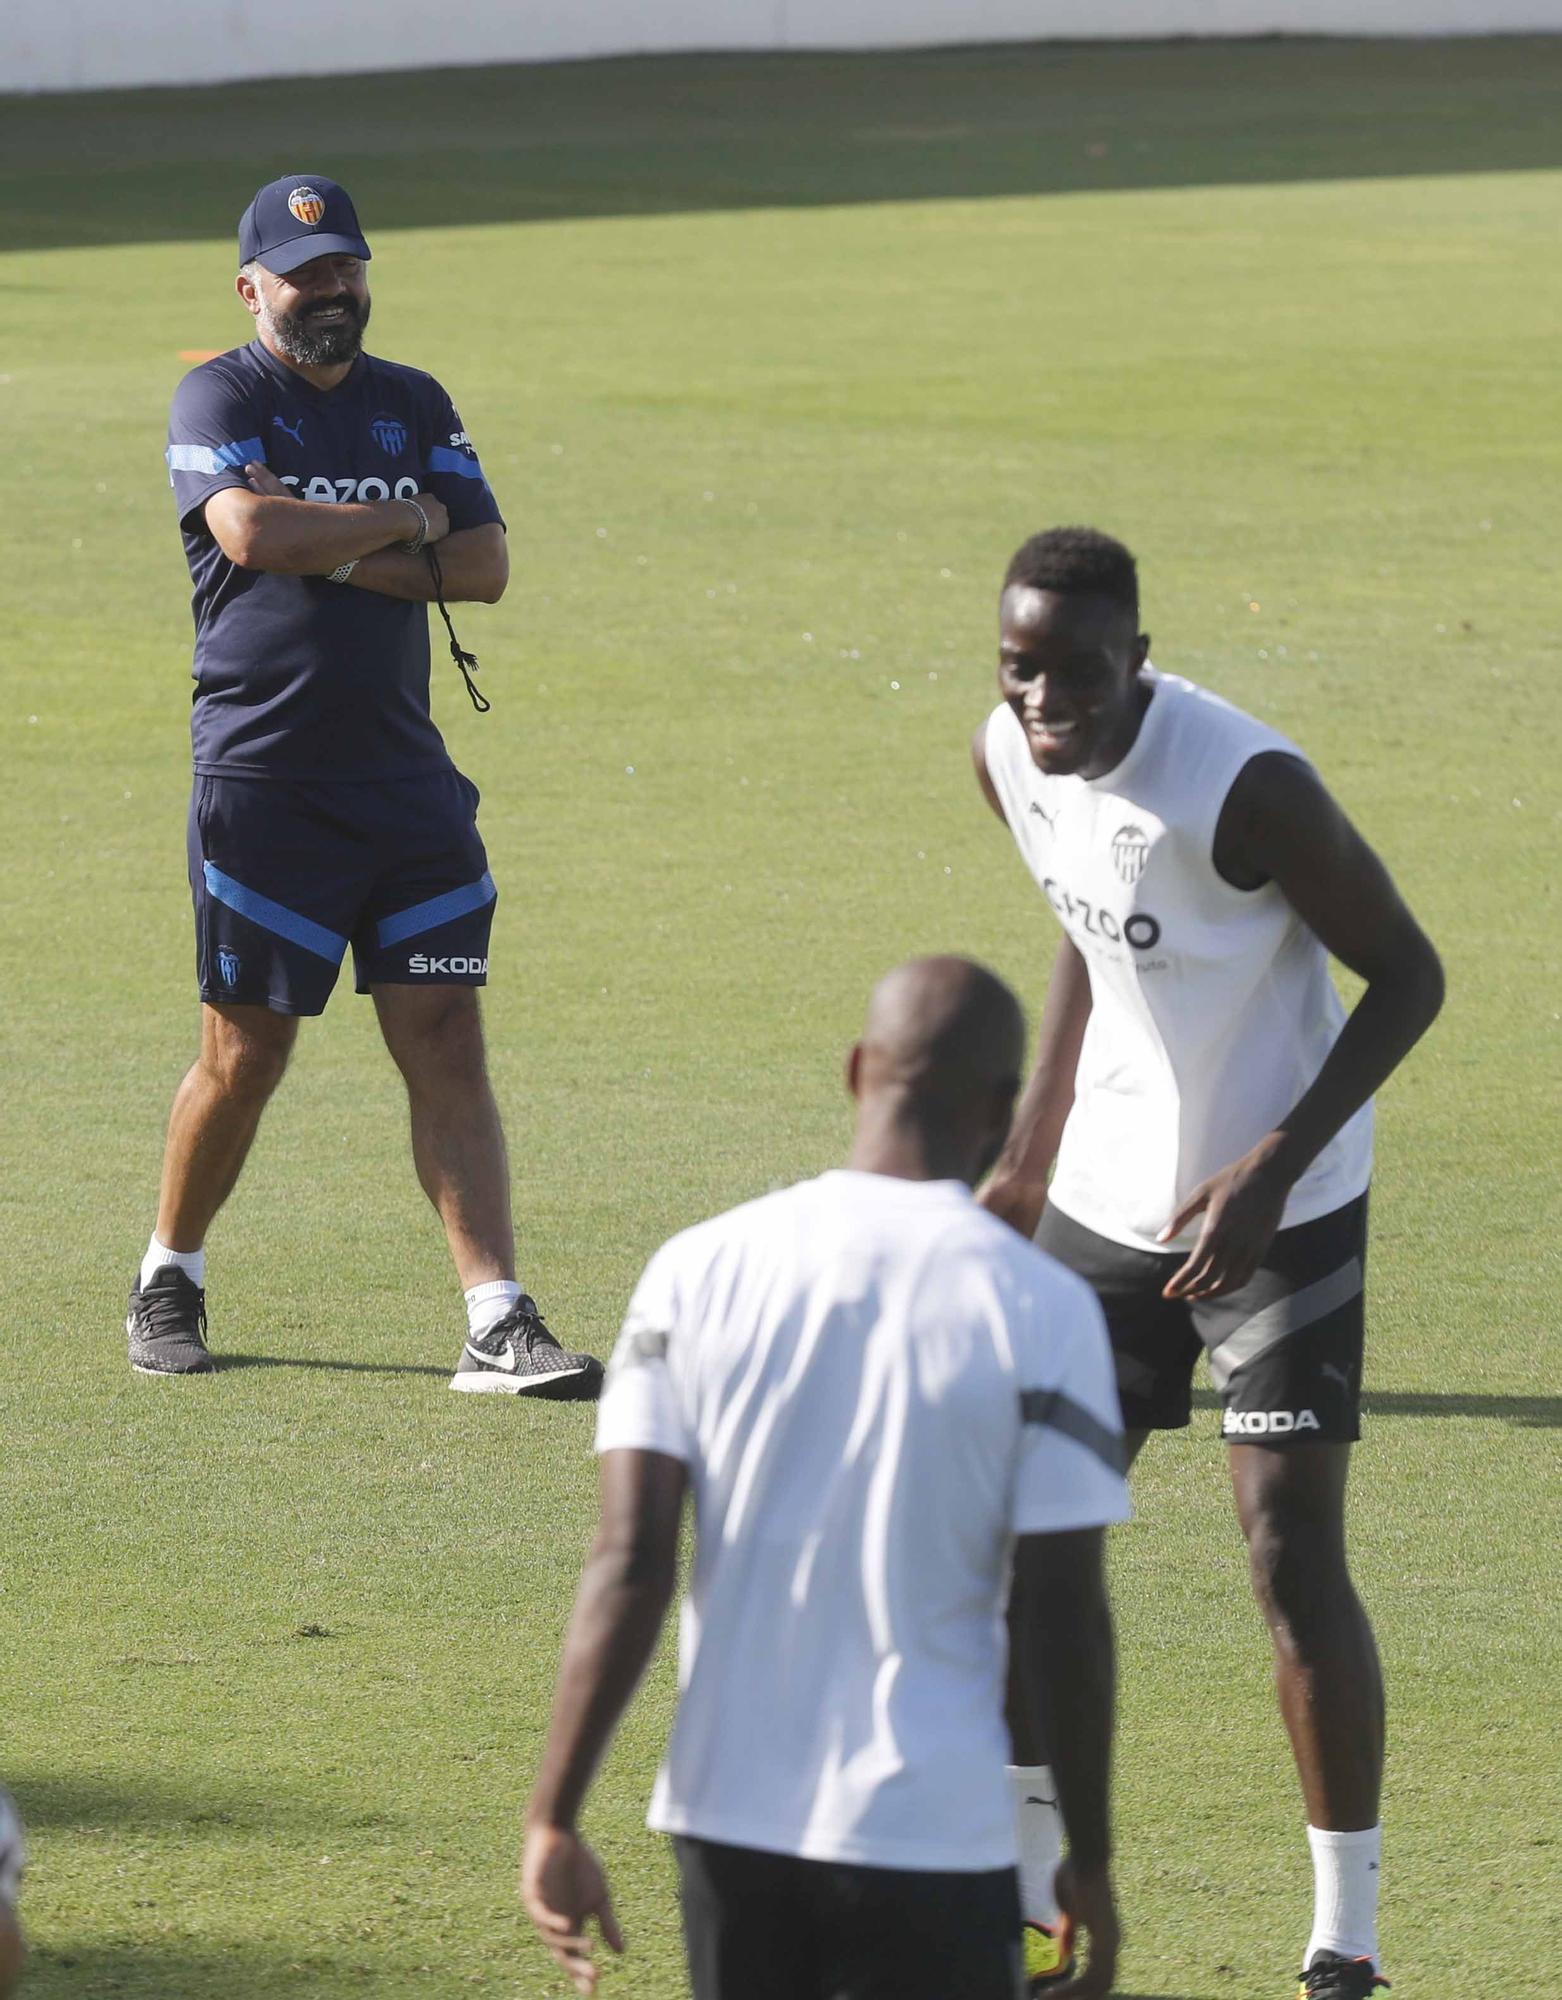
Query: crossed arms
[(264, 527)]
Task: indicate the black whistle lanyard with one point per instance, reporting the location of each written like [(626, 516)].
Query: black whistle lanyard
[(466, 663)]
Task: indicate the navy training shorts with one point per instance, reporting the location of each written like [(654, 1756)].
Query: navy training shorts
[(286, 875), (1285, 1351)]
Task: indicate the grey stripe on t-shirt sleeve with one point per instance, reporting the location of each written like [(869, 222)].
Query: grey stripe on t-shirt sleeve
[(1052, 1410), (644, 1344)]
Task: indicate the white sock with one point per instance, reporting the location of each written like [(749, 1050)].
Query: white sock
[(487, 1304), (191, 1262), (1038, 1829), (1345, 1892)]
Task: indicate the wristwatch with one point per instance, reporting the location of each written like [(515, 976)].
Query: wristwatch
[(343, 571)]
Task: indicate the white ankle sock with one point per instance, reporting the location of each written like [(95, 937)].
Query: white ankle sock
[(487, 1304), (1038, 1829), (191, 1262), (1345, 1892)]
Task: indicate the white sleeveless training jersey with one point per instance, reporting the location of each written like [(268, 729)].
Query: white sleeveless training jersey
[(1212, 1009)]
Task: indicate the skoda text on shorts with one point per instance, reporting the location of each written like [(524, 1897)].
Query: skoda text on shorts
[(1206, 1104), (881, 1398), (310, 478)]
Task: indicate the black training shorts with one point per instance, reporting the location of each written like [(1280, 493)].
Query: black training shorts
[(775, 1927), (287, 874), (1284, 1351)]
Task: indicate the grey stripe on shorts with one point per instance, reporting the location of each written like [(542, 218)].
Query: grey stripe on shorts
[(1285, 1317)]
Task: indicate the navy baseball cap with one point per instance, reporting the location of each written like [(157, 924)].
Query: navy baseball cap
[(296, 218)]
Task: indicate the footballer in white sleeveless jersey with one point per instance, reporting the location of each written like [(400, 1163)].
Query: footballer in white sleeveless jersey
[(1201, 1106)]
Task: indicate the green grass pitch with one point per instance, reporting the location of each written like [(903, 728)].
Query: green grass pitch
[(771, 363)]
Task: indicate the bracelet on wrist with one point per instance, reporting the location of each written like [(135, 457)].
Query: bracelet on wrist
[(343, 571), (416, 545)]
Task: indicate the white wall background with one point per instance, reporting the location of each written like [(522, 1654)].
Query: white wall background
[(83, 44)]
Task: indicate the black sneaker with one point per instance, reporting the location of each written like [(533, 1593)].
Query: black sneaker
[(167, 1325), (1331, 1977), (518, 1356)]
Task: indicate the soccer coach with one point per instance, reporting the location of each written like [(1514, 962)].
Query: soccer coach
[(314, 483), (880, 1397)]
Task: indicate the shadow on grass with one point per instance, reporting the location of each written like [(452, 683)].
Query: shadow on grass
[(671, 135), (226, 1362), (241, 1973), (78, 1802), (1536, 1412), (156, 1811), (136, 1971)]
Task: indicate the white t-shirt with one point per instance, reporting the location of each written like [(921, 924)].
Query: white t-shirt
[(1212, 1009), (841, 1366)]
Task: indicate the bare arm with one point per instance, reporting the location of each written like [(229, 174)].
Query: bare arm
[(267, 528), (623, 1596), (1016, 1189), (619, 1607), (1069, 1658), (474, 562), (1281, 824)]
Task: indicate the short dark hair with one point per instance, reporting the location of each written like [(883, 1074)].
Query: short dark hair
[(1081, 561)]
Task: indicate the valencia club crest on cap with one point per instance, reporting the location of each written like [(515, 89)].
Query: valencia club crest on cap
[(294, 220)]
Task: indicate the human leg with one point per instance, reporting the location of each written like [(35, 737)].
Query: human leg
[(270, 885), (1154, 1347), (1038, 1822), (1291, 1503), (435, 1036), (1286, 1354), (420, 947), (216, 1113), (273, 884)]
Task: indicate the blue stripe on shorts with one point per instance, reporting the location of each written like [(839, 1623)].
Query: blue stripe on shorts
[(276, 917), (437, 910)]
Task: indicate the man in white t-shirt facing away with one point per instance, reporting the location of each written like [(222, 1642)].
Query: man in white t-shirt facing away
[(1207, 1105), (881, 1400)]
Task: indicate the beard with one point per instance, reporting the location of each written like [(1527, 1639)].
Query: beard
[(302, 338)]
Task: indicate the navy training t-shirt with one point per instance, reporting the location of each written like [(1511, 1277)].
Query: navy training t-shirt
[(297, 677)]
